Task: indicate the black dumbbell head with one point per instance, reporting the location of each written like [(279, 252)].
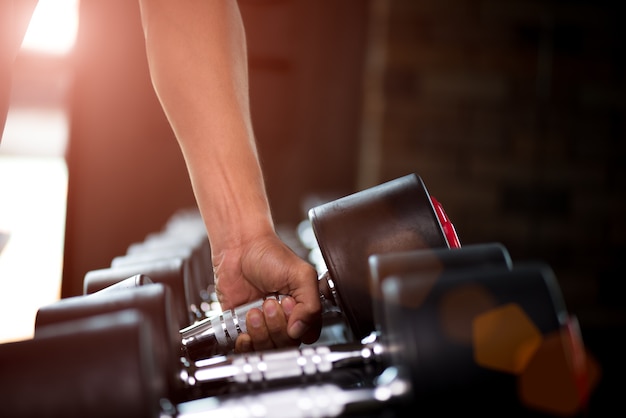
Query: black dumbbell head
[(101, 366), (471, 334), (153, 300), (172, 271), (427, 265), (394, 216)]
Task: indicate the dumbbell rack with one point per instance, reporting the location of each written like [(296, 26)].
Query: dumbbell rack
[(347, 372)]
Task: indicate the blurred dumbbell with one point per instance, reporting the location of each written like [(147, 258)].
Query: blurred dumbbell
[(196, 291), (184, 234), (84, 368), (154, 300), (493, 341), (427, 265), (171, 271), (178, 256)]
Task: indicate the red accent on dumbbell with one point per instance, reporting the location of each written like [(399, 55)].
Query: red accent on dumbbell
[(447, 226)]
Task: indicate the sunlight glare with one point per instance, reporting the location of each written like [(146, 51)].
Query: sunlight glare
[(53, 27)]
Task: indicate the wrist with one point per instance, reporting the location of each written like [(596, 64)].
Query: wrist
[(234, 225)]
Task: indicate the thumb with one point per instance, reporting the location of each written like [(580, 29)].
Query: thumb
[(303, 324)]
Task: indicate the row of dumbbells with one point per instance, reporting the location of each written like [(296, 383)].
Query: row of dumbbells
[(425, 323)]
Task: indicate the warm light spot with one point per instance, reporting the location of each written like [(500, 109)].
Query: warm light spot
[(459, 306), (552, 381), (53, 27), (505, 339)]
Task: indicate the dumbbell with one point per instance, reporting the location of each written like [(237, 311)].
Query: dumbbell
[(153, 300), (183, 233), (210, 375), (435, 363), (429, 264), (492, 343), (197, 295), (393, 216), (88, 367), (171, 271), (399, 215), (178, 255)]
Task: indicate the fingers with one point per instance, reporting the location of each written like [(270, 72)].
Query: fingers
[(307, 332), (305, 320), (267, 329), (267, 265), (243, 344)]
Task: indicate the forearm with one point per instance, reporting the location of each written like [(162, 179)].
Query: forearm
[(197, 55)]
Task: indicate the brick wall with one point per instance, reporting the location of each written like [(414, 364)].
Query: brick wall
[(512, 111)]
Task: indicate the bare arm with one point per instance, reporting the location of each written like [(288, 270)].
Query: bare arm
[(196, 51)]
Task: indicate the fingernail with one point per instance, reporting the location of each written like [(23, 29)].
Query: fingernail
[(244, 345), (288, 303), (269, 307), (254, 318), (297, 330)]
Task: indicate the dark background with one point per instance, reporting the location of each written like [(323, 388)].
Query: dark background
[(512, 112)]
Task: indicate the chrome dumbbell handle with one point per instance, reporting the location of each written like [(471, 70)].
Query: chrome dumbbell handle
[(310, 400), (216, 335), (326, 400), (221, 331), (274, 365)]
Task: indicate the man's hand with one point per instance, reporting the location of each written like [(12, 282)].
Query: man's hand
[(261, 266)]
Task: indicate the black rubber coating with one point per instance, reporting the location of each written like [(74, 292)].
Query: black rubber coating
[(152, 300), (423, 329), (394, 216), (173, 272), (428, 264), (101, 366)]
